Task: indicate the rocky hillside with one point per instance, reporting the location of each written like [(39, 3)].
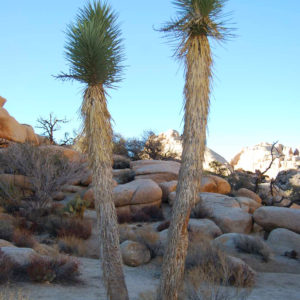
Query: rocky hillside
[(259, 157)]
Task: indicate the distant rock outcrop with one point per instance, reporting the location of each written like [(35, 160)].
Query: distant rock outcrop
[(172, 143), (259, 157)]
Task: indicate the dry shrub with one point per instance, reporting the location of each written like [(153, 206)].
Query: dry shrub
[(23, 238), (253, 245), (148, 295), (201, 211), (125, 177), (121, 161), (61, 269), (124, 217), (6, 230), (148, 237), (145, 214), (10, 197), (64, 226), (6, 268), (211, 275), (8, 294), (81, 229), (47, 170), (144, 235), (72, 245), (148, 214), (162, 226)]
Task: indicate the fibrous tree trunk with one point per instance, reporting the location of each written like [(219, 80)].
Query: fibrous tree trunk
[(98, 142), (197, 89)]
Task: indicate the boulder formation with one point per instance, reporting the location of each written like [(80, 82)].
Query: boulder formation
[(172, 143), (258, 157), (12, 130)]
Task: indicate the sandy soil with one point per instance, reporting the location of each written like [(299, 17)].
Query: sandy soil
[(269, 286)]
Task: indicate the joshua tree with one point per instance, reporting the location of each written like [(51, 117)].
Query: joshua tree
[(94, 53), (198, 20)]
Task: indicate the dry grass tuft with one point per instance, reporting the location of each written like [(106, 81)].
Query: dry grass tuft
[(124, 217), (150, 238), (7, 294), (72, 245), (61, 269), (148, 295), (81, 229), (162, 226), (253, 245), (146, 214), (144, 235), (202, 212), (23, 238), (7, 267), (211, 275)]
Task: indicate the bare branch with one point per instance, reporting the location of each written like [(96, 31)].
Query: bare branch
[(50, 125)]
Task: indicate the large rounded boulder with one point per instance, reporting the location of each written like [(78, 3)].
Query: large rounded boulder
[(271, 217), (133, 196)]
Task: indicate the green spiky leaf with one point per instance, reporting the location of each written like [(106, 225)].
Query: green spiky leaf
[(94, 48), (196, 18)]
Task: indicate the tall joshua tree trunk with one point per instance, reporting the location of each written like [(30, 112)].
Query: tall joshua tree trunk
[(198, 73), (98, 134)]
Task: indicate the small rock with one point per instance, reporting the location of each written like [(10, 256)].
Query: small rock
[(21, 256), (134, 254)]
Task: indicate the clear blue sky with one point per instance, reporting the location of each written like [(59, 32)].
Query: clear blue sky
[(256, 85)]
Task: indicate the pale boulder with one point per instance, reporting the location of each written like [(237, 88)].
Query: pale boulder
[(283, 240), (4, 243), (271, 217), (225, 212), (21, 256), (204, 227), (140, 191), (158, 171)]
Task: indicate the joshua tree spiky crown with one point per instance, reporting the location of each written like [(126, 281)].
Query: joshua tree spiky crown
[(197, 18), (94, 47)]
